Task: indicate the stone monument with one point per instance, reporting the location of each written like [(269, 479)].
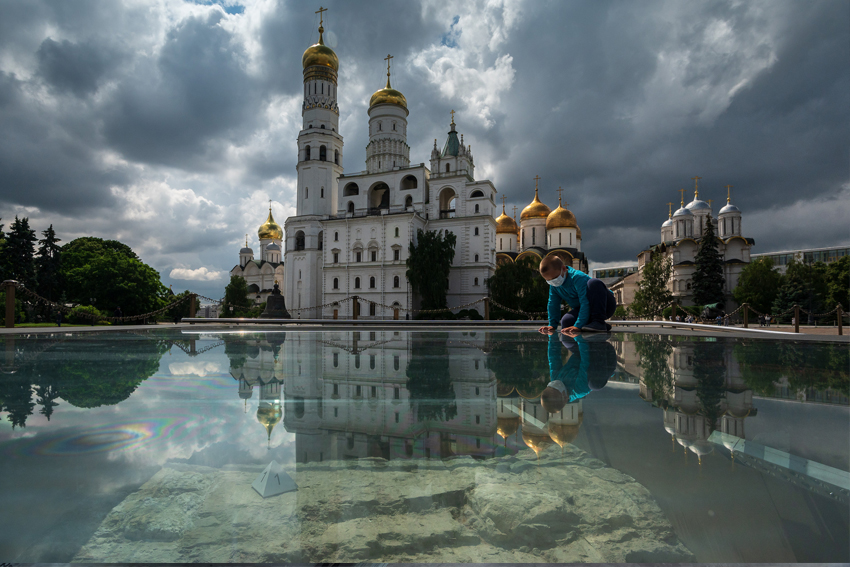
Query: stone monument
[(275, 306)]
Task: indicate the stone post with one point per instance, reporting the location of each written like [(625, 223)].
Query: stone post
[(355, 307), (796, 318), (840, 320), (10, 303), (192, 307), (673, 313), (486, 308), (746, 307)]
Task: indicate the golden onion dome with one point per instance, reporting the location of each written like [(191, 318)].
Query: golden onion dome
[(536, 441), (578, 233), (388, 95), (269, 416), (270, 230), (563, 433), (507, 426), (561, 218), (505, 224), (535, 210), (320, 54)]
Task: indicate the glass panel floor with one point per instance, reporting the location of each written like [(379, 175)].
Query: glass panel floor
[(461, 446)]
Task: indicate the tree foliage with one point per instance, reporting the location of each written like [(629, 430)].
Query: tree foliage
[(18, 252), (652, 295), (432, 394), (838, 284), (48, 264), (236, 296), (428, 266), (653, 352), (710, 373), (804, 285), (758, 284), (110, 273), (708, 277), (519, 285)]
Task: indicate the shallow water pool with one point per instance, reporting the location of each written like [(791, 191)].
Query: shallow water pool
[(423, 446)]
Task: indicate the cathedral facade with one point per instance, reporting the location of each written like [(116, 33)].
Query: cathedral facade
[(346, 247)]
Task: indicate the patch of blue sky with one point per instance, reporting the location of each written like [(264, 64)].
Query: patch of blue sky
[(450, 38), (229, 6)]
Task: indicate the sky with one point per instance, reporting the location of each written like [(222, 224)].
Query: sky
[(169, 125)]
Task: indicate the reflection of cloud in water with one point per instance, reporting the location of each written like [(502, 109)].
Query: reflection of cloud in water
[(194, 368)]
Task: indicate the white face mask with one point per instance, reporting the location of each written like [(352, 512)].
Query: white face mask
[(558, 385), (557, 282)]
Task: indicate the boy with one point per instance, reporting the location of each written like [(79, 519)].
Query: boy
[(591, 302), (591, 363)]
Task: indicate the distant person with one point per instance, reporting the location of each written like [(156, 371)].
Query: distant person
[(118, 314), (591, 302), (59, 317)]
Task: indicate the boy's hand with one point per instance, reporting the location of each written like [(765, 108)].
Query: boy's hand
[(571, 331), (546, 330)]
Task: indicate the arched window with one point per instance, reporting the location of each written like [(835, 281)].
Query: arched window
[(447, 168), (476, 210), (476, 193), (336, 237), (395, 281), (323, 153), (306, 192), (533, 235), (307, 153), (299, 240), (408, 202), (322, 193), (409, 182), (501, 246), (372, 313), (476, 228), (372, 282), (393, 126), (350, 207), (350, 190), (476, 257), (336, 157), (321, 240), (323, 92), (336, 283), (379, 127), (476, 283), (396, 232), (356, 283)]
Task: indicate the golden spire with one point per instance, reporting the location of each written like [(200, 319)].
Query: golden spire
[(670, 210), (682, 193), (504, 198), (514, 213), (728, 194), (321, 21), (387, 59), (536, 179), (559, 195), (453, 116), (246, 241), (709, 202), (696, 186)]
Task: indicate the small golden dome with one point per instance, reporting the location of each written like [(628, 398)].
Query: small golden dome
[(505, 224), (270, 230), (535, 210), (388, 96), (563, 433), (507, 426), (561, 218), (320, 54), (536, 441), (269, 416), (578, 233)]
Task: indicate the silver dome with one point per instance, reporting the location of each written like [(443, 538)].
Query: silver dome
[(668, 222), (683, 212), (272, 246), (246, 251), (729, 208), (698, 205)]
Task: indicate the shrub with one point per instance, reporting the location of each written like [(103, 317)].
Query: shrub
[(77, 314)]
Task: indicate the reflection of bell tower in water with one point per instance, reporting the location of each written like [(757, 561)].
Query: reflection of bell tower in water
[(319, 167)]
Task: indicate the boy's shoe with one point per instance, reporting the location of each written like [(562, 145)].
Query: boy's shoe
[(597, 326)]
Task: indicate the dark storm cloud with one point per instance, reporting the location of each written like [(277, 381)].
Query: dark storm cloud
[(182, 107), (74, 67)]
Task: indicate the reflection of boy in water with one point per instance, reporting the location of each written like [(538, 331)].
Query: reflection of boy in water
[(592, 361)]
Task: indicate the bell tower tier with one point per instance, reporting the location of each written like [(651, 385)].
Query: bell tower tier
[(387, 149), (319, 142)]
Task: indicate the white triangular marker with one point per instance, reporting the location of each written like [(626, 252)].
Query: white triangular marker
[(273, 481)]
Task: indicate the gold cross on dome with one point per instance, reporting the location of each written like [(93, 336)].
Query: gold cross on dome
[(709, 202), (696, 186), (536, 179), (682, 193), (669, 209), (504, 198), (321, 15), (514, 212), (387, 59), (728, 193), (559, 195), (453, 116)]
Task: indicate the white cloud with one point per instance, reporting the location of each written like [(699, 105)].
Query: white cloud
[(198, 274), (194, 368)]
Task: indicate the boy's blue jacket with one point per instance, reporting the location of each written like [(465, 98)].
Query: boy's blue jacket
[(574, 373), (574, 292)]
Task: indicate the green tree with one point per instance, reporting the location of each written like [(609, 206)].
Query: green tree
[(180, 311), (710, 373), (18, 252), (3, 260), (758, 284), (519, 285), (708, 277), (110, 273), (432, 395), (837, 283), (236, 296), (652, 295), (48, 264), (653, 353), (804, 285), (428, 266)]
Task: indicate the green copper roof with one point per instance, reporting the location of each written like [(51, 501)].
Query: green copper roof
[(452, 146)]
